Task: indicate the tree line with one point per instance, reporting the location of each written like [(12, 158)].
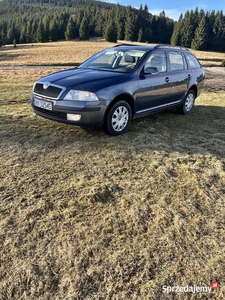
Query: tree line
[(200, 31), (30, 21)]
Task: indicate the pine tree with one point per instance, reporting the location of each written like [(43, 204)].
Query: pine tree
[(28, 32), (177, 33), (84, 29), (99, 22), (200, 40), (3, 36), (139, 24), (34, 26), (140, 35), (40, 36), (219, 32), (143, 24), (130, 24), (111, 32), (62, 21), (161, 32), (152, 28), (210, 17), (147, 30), (187, 31), (53, 30), (119, 21), (10, 34), (46, 24), (22, 38), (195, 19), (70, 30)]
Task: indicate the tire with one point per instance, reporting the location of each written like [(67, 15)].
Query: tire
[(188, 103), (118, 118)]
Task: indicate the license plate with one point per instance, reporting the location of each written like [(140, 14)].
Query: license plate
[(43, 104)]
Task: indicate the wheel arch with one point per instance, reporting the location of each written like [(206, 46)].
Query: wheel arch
[(126, 97), (194, 89)]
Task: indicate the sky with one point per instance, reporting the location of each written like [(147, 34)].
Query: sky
[(173, 8)]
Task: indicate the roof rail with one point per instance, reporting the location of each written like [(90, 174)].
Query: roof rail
[(124, 44), (171, 46)]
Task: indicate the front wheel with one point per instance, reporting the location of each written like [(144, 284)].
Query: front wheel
[(118, 118), (188, 103)]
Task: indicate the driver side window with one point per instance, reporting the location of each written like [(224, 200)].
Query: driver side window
[(157, 60)]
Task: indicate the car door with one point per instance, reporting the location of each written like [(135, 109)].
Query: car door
[(178, 74), (154, 88)]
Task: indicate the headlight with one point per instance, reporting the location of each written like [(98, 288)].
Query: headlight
[(80, 96)]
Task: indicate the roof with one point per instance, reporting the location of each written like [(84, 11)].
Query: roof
[(134, 47), (148, 48)]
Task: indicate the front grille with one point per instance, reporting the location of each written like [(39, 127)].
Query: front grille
[(51, 114), (51, 91)]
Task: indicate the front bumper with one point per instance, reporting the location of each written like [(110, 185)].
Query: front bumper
[(91, 113)]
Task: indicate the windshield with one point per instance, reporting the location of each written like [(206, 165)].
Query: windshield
[(114, 60)]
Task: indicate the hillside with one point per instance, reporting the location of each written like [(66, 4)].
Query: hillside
[(24, 21), (9, 7)]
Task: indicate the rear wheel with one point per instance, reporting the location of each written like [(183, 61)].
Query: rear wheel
[(118, 118), (188, 103)]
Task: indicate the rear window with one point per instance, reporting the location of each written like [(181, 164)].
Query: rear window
[(192, 61)]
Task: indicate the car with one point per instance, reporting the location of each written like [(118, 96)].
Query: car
[(119, 84)]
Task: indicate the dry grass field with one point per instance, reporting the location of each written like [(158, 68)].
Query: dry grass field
[(84, 215), (57, 53), (74, 52)]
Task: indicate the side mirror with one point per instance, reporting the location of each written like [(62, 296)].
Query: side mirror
[(151, 70)]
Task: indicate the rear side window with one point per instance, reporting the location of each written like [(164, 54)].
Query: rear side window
[(176, 60), (192, 61)]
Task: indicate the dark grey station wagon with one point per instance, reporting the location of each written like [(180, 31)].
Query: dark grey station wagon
[(119, 84)]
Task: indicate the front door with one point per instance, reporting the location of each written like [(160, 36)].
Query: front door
[(154, 88)]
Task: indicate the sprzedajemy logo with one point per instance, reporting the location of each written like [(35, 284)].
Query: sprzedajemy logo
[(190, 288)]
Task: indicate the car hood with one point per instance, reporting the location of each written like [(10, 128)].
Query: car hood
[(83, 78)]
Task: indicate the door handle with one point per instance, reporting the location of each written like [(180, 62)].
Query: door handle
[(167, 79), (189, 76)]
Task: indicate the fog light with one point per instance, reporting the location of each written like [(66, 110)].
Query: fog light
[(73, 117)]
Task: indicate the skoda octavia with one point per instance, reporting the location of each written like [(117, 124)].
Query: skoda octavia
[(119, 84)]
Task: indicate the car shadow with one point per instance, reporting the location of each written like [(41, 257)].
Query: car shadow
[(200, 132)]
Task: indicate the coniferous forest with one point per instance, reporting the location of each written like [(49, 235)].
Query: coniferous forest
[(30, 21)]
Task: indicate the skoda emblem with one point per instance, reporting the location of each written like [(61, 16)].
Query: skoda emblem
[(46, 85)]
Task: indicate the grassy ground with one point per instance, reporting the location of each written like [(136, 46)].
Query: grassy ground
[(89, 216), (50, 53), (74, 52)]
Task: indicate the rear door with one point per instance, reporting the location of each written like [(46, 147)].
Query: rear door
[(179, 75)]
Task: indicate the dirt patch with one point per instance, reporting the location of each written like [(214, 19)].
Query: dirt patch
[(214, 79)]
